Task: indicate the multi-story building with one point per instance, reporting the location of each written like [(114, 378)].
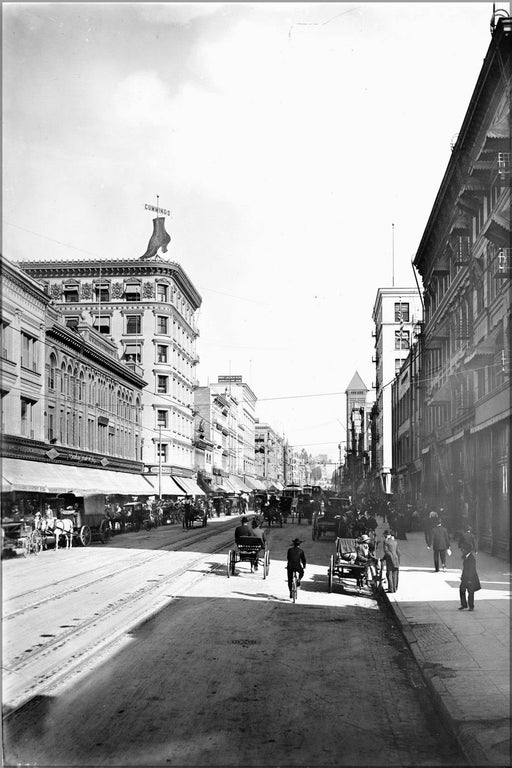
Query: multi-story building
[(224, 416), (67, 400), (148, 307), (407, 405), (269, 454), (464, 259), (396, 314)]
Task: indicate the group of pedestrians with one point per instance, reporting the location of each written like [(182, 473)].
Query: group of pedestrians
[(436, 536)]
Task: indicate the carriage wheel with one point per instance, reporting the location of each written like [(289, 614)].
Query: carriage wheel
[(36, 541), (231, 563), (330, 574), (105, 532), (85, 536), (266, 563)]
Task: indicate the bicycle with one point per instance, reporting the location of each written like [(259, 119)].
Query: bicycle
[(295, 586)]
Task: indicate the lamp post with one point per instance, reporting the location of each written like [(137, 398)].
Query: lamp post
[(160, 462)]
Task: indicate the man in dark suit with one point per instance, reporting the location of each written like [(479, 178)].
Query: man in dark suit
[(439, 540), (469, 581), (392, 560), (295, 563), (259, 533), (243, 530)]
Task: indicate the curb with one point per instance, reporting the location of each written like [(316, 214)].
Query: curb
[(465, 733)]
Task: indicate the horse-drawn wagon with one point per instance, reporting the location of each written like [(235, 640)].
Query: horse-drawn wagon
[(350, 563), (80, 523), (20, 537)]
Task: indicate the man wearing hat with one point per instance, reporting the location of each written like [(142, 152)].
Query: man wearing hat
[(295, 563), (439, 540), (243, 530), (392, 560)]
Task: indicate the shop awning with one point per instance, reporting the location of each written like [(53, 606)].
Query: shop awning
[(255, 484), (42, 477), (239, 484), (168, 486), (189, 485)]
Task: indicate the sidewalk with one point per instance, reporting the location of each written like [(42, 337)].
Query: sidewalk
[(463, 656)]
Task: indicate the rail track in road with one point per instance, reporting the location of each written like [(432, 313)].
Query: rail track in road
[(82, 639), (64, 586)]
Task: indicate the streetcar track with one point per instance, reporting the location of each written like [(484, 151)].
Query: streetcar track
[(112, 608), (125, 565)]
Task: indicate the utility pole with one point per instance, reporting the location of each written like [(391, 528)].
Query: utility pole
[(160, 462)]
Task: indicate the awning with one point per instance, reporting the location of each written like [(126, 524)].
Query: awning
[(255, 484), (484, 350), (239, 484), (42, 477), (168, 486), (189, 485), (497, 230), (443, 393)]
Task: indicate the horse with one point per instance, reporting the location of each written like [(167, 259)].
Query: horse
[(59, 528), (64, 528)]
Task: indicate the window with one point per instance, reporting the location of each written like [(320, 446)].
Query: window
[(102, 324), (132, 353), (162, 384), (28, 359), (132, 292), (401, 312), (398, 365), (71, 294), (162, 418), (6, 340), (102, 292), (162, 324), (401, 339), (133, 323), (26, 417), (161, 451), (161, 353), (162, 292), (72, 322), (51, 372), (50, 425)]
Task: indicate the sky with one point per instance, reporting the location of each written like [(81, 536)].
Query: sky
[(286, 139)]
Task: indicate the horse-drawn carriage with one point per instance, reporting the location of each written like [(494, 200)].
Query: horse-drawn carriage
[(329, 521), (193, 514), (80, 523), (249, 550), (20, 537), (347, 564)]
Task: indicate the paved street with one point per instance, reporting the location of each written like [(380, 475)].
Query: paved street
[(229, 671)]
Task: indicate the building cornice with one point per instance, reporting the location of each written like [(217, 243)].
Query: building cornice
[(40, 270)]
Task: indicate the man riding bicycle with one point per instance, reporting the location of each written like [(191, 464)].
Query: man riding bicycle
[(295, 563)]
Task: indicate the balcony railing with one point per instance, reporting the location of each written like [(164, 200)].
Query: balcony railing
[(503, 261), (461, 246), (501, 168)]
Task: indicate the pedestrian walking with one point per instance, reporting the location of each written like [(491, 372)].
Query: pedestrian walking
[(467, 540), (469, 581), (439, 540), (392, 560)]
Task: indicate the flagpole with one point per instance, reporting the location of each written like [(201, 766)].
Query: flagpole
[(393, 255)]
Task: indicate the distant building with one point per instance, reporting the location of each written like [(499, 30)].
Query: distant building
[(357, 423), (396, 314), (269, 456), (225, 421)]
